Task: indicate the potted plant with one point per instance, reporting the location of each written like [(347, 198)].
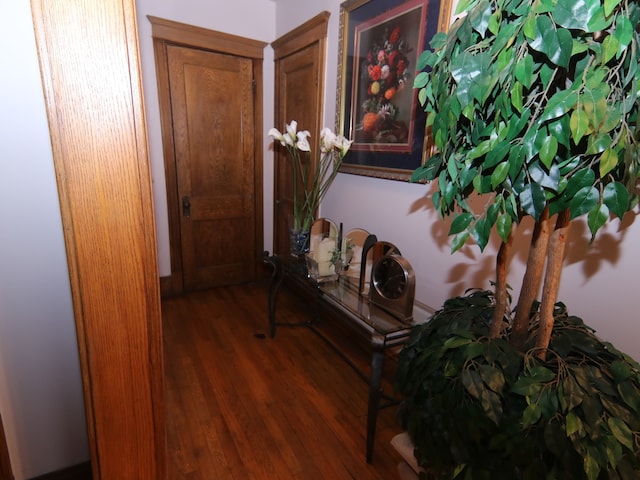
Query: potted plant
[(533, 107), (311, 179)]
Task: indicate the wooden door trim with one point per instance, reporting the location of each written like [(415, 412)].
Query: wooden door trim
[(302, 36), (5, 462), (192, 36), (93, 96), (167, 32)]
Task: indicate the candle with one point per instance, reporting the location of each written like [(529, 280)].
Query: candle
[(324, 256), (325, 250)]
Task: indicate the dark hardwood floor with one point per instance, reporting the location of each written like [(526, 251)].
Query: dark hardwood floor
[(243, 406)]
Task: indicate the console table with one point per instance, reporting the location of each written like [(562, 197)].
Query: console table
[(342, 297)]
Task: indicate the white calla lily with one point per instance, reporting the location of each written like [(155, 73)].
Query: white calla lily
[(315, 177)]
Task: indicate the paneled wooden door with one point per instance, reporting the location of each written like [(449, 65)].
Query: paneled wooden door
[(212, 111), (299, 69)]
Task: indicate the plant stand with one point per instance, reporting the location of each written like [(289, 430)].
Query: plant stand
[(408, 469)]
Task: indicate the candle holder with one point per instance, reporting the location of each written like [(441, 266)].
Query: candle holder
[(320, 272)]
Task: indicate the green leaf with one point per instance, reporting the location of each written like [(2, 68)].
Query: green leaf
[(499, 174), (468, 71), (620, 370), (422, 96), (531, 415), (466, 176), (598, 144), (494, 22), (621, 431), (421, 80), (573, 394), (609, 5), (516, 96), (582, 178), (438, 41), (460, 223), (472, 383), (555, 43), (524, 71), (541, 374), (610, 46), (586, 199), (481, 233), (533, 200), (458, 241), (576, 14), (429, 171), (597, 218), (516, 160), (623, 31), (516, 126), (591, 467), (616, 197), (548, 150), (452, 168), (479, 150), (503, 226), (629, 394), (608, 161), (455, 342), (579, 124), (463, 5), (599, 21), (526, 386), (492, 377), (479, 17), (561, 130), (573, 425), (559, 104)]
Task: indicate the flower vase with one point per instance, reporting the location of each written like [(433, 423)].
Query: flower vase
[(298, 242)]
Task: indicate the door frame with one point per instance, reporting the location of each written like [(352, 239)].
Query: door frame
[(5, 462), (168, 32), (100, 155)]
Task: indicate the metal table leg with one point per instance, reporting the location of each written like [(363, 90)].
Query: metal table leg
[(277, 276), (375, 394)]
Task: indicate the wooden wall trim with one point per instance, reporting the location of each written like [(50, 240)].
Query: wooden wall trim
[(81, 471), (89, 63), (309, 32), (190, 35), (6, 473)]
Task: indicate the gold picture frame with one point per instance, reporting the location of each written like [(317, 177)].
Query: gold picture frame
[(376, 105)]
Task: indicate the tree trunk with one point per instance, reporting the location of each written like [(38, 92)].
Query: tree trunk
[(532, 280), (501, 296), (555, 259)]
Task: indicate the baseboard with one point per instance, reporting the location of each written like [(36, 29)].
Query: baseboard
[(81, 471)]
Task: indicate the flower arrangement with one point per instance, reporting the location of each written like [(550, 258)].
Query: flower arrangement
[(385, 73), (315, 178)]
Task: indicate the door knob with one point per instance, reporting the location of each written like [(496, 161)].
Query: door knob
[(186, 207)]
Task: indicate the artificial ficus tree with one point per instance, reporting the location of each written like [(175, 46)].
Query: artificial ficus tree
[(533, 106)]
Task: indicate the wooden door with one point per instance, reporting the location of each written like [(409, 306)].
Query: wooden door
[(299, 69), (212, 116), (210, 96)]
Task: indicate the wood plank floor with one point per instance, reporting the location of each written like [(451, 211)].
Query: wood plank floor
[(244, 406)]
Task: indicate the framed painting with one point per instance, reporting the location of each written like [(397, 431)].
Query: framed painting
[(376, 105)]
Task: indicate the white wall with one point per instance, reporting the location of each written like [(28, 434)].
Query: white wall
[(253, 19), (40, 388), (599, 281)]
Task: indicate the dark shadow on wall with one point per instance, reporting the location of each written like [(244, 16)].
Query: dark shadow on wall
[(476, 269)]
